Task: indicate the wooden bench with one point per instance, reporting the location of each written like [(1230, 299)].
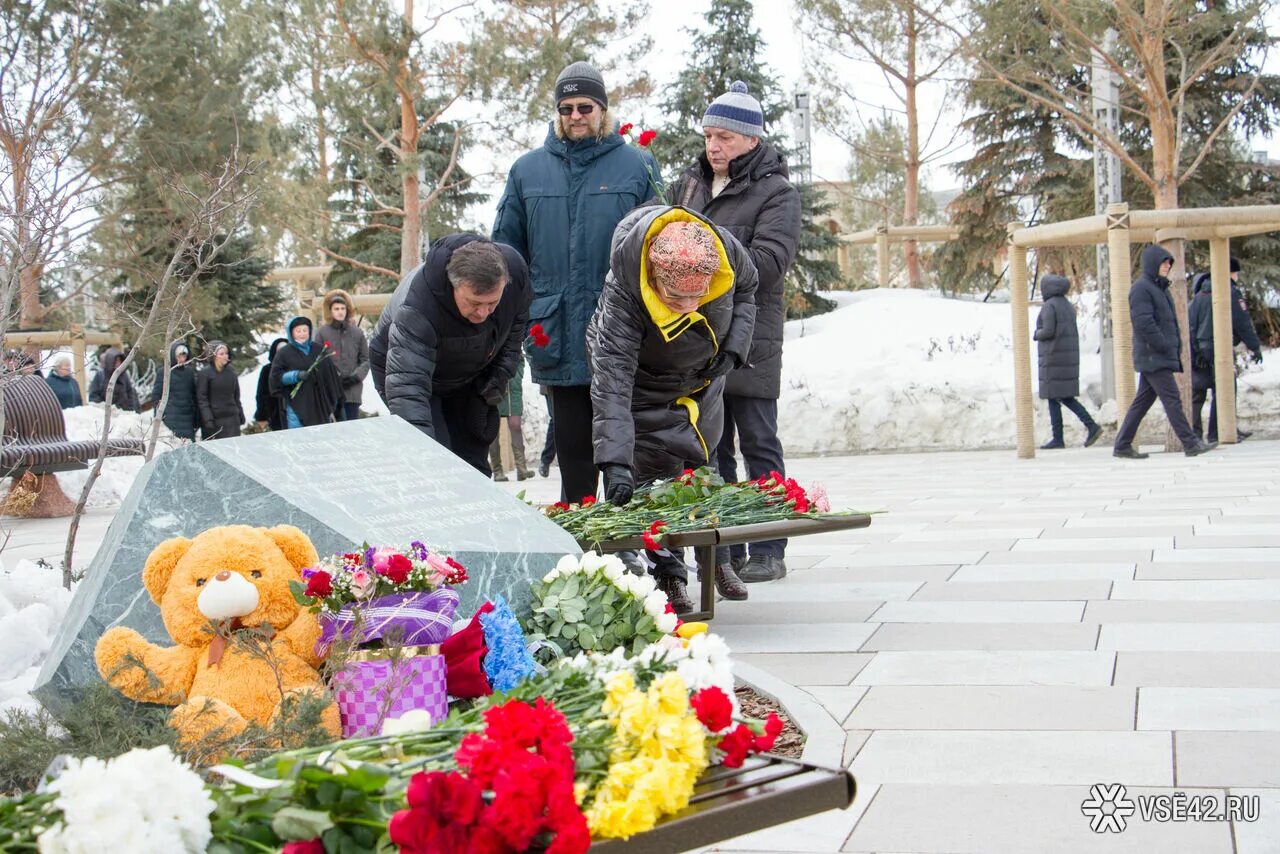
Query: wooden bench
[(36, 445), (704, 544), (729, 802)]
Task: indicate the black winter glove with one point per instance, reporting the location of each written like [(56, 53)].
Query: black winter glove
[(349, 381), (493, 391), (482, 420), (1257, 357), (720, 364), (619, 484)]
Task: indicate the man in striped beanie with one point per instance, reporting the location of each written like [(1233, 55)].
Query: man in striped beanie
[(740, 183)]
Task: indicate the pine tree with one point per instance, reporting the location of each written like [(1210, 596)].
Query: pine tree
[(728, 50)]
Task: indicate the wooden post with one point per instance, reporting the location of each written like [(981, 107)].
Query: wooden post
[(882, 256), (1024, 409), (1224, 361), (1121, 324), (79, 361)]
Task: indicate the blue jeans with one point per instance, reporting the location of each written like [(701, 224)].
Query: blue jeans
[(292, 421)]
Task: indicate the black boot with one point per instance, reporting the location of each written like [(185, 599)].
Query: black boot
[(767, 568), (677, 593), (1094, 432), (728, 584), (1052, 444)]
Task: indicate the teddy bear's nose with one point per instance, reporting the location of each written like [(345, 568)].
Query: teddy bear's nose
[(222, 576)]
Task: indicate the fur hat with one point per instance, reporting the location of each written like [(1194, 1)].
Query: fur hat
[(581, 80), (737, 111), (334, 296)]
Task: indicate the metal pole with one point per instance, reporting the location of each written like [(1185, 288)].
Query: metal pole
[(1106, 191), (1121, 325), (1024, 408), (1224, 358)]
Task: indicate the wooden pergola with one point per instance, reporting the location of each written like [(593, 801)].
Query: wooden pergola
[(1119, 228), (76, 337), (309, 291), (884, 235)]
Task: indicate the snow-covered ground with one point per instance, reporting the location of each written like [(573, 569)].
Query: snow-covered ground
[(32, 604)]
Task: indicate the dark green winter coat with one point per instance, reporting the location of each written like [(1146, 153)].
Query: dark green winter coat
[(559, 209), (652, 408), (761, 208), (1057, 341)]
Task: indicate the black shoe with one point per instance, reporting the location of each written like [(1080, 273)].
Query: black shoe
[(1241, 435), (544, 469), (728, 584), (1052, 444), (738, 563), (1199, 447), (1094, 432), (676, 592), (768, 568), (1128, 453)]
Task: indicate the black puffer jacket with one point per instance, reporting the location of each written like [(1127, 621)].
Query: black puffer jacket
[(218, 397), (761, 209), (1200, 322), (650, 403), (1157, 344), (423, 347), (1058, 341), (124, 396), (270, 407), (180, 414)]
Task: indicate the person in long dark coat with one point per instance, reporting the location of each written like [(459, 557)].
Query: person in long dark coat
[(181, 414), (740, 182), (675, 317), (447, 345), (64, 385), (269, 413), (1200, 322), (218, 395), (304, 378), (124, 395), (1058, 342), (1157, 356)]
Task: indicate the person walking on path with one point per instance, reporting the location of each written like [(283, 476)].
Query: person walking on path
[(446, 347), (1200, 320), (64, 386), (124, 395), (304, 378), (350, 351), (675, 318), (559, 210), (218, 395), (1058, 342), (1157, 356), (181, 412), (269, 412), (511, 408), (740, 182)]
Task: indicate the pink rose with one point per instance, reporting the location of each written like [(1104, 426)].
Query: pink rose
[(362, 583), (381, 558), (439, 566)]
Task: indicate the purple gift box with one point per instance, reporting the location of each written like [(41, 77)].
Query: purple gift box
[(371, 692)]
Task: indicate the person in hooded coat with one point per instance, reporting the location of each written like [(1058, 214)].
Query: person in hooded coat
[(1200, 322), (345, 340), (269, 411), (1058, 342), (561, 204), (740, 182), (1157, 356), (303, 378), (676, 316), (64, 386), (218, 395), (124, 396), (181, 414), (448, 342)]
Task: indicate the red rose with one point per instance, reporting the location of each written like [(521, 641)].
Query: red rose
[(713, 707), (311, 846), (647, 137), (625, 129), (459, 571), (772, 729), (320, 585), (736, 745), (398, 568)]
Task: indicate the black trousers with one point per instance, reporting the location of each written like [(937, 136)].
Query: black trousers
[(466, 425), (1077, 409), (755, 419), (549, 446), (1153, 385), (1198, 398), (571, 412)]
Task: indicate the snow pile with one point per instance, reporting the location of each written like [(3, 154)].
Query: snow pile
[(84, 423), (902, 369), (33, 603)]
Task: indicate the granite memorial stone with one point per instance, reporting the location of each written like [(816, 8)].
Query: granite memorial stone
[(374, 480)]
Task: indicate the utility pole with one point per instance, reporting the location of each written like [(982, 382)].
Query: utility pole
[(802, 120), (1106, 191)]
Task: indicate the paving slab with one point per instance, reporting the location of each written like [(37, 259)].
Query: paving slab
[(775, 609), (1162, 708), (839, 700), (1016, 707), (1199, 669), (798, 638), (953, 636), (809, 668), (995, 591), (1242, 637), (980, 612), (1261, 836), (1139, 611), (1228, 758), (833, 572), (1046, 570), (1222, 590), (799, 587), (973, 667)]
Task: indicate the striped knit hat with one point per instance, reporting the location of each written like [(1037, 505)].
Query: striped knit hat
[(737, 111)]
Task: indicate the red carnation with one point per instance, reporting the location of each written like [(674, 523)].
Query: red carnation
[(625, 129), (539, 335), (650, 537), (772, 729), (686, 475), (311, 846), (398, 569), (647, 137), (588, 500), (459, 571), (561, 505), (320, 585), (713, 708), (736, 745)]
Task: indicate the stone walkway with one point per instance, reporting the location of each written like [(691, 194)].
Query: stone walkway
[(1010, 633)]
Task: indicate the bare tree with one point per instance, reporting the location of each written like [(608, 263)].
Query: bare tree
[(909, 49), (206, 215)]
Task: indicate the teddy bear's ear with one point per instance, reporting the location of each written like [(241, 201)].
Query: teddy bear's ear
[(160, 564), (296, 546)]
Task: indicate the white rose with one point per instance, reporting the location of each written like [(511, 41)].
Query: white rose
[(655, 604), (414, 720), (666, 623), (592, 561), (643, 585), (547, 579), (613, 568), (567, 565), (626, 582)]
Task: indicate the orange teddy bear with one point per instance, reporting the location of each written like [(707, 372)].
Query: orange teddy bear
[(235, 573)]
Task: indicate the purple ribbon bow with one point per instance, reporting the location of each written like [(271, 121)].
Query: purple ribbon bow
[(420, 618)]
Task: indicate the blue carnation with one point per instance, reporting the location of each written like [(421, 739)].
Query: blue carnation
[(508, 661)]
